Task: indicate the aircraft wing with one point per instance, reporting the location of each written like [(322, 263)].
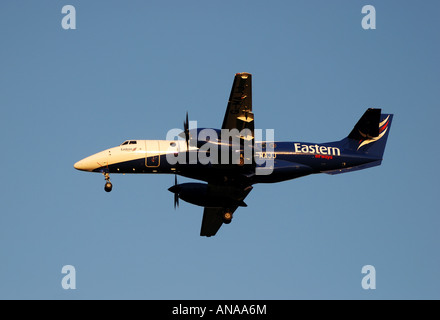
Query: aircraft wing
[(238, 116), (212, 221), (212, 217), (239, 111)]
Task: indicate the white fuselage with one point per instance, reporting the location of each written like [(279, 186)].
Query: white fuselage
[(132, 150)]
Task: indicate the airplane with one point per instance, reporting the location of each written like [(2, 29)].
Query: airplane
[(227, 183)]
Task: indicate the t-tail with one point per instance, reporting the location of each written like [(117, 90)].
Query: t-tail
[(368, 138)]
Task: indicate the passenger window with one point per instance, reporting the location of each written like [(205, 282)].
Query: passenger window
[(172, 144)]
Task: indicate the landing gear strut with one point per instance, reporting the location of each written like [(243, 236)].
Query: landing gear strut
[(108, 185)]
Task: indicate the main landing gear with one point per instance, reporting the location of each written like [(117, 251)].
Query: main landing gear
[(227, 217), (108, 185)]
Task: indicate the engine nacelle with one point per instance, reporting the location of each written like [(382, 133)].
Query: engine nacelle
[(204, 195)]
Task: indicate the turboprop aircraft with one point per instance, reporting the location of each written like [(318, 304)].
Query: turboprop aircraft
[(230, 162)]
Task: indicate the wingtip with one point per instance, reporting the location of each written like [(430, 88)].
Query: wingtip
[(243, 75)]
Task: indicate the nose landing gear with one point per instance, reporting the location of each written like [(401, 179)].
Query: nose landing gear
[(108, 185)]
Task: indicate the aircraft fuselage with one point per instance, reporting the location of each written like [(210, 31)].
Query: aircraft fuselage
[(285, 160)]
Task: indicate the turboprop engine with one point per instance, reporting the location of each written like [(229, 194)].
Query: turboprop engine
[(202, 194)]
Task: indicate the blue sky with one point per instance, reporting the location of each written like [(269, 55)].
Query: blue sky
[(132, 70)]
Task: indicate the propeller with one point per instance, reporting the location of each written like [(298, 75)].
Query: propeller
[(186, 130), (175, 189)]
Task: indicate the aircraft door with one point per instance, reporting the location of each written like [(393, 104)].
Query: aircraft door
[(152, 158)]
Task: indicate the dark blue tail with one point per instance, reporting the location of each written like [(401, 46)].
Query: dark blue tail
[(367, 139), (369, 136)]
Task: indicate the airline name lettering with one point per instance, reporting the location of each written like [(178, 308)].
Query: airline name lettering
[(316, 149)]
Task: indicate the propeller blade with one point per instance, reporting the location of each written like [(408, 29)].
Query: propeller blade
[(176, 194), (186, 130), (176, 200)]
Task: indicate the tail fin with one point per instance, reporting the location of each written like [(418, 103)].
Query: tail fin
[(369, 136)]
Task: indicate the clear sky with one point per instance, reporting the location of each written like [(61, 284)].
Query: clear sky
[(132, 69)]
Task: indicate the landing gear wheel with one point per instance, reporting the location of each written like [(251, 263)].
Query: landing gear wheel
[(227, 217), (108, 186)]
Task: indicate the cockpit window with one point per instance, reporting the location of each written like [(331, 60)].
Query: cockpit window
[(129, 142)]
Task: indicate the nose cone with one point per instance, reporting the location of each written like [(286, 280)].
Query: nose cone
[(83, 165), (174, 189), (93, 162)]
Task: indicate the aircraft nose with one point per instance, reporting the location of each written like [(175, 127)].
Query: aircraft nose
[(86, 164), (81, 165), (92, 162)]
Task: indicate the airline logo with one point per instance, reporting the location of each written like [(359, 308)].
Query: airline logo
[(317, 149), (383, 128)]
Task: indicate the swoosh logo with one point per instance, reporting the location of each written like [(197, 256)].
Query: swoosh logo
[(383, 128)]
